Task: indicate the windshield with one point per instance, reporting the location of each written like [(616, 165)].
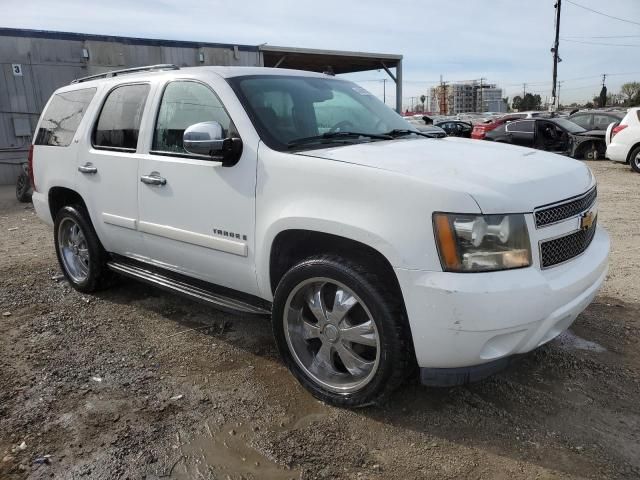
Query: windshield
[(569, 126), (288, 111)]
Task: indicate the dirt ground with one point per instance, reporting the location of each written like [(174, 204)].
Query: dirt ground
[(135, 383)]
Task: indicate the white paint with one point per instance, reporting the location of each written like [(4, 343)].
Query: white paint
[(119, 221)]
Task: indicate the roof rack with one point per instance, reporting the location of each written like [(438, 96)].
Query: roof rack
[(113, 73)]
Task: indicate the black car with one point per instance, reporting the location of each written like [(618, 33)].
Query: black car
[(456, 128), (557, 135), (595, 120)]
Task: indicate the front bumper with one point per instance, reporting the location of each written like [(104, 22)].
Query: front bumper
[(468, 319)]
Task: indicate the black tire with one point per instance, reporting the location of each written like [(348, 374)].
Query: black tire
[(23, 189), (396, 358), (634, 160), (98, 276)]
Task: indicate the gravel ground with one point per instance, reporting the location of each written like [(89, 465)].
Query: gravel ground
[(136, 383)]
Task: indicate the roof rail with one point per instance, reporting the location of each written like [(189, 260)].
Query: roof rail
[(113, 73)]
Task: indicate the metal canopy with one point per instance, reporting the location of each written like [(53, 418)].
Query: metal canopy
[(334, 61)]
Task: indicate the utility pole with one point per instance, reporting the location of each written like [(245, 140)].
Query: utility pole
[(443, 97), (524, 90), (384, 90), (554, 50), (560, 82), (604, 77)]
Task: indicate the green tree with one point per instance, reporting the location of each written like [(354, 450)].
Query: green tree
[(629, 91), (602, 100), (516, 104)]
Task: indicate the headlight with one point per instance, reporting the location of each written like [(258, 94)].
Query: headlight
[(481, 243)]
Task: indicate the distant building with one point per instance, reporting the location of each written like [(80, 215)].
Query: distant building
[(466, 97)]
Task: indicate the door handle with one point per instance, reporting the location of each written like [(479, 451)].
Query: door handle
[(88, 168), (153, 178)]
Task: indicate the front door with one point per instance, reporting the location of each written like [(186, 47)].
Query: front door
[(107, 175), (196, 216)]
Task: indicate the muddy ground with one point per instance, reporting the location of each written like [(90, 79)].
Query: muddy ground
[(135, 383)]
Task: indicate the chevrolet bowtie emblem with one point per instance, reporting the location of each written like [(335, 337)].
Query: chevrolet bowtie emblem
[(586, 221)]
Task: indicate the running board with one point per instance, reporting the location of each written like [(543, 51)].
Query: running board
[(165, 282)]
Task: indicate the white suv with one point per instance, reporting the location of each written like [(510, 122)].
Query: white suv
[(623, 140), (302, 196)]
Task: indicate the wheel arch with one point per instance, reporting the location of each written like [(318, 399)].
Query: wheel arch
[(59, 197), (631, 150), (293, 245)]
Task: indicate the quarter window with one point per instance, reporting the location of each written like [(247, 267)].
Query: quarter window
[(185, 103), (119, 122), (62, 117)]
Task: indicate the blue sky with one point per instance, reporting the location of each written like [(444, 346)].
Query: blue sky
[(504, 41)]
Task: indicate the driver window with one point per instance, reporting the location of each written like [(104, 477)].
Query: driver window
[(185, 103)]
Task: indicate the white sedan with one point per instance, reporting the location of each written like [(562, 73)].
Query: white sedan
[(623, 140)]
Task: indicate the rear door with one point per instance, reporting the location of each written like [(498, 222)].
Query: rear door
[(520, 132), (107, 172)]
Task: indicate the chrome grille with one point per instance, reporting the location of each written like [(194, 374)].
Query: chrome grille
[(568, 209), (559, 250)]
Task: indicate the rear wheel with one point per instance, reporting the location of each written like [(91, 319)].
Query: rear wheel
[(634, 160), (23, 188), (340, 332), (80, 253)]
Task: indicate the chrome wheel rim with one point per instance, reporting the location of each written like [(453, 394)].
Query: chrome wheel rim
[(637, 161), (331, 335), (74, 250)]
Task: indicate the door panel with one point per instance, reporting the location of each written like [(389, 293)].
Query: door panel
[(200, 222), (108, 172)]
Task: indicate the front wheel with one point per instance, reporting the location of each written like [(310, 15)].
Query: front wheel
[(340, 332), (634, 160)]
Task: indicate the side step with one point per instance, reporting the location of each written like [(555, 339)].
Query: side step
[(186, 289)]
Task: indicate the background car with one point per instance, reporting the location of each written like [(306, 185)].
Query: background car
[(479, 130), (596, 120), (422, 127), (623, 140), (456, 128), (557, 135)]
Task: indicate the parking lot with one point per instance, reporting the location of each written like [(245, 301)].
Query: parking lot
[(136, 383)]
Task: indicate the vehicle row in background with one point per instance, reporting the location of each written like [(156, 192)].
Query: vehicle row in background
[(551, 134)]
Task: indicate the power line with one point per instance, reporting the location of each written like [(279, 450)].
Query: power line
[(603, 36), (601, 43), (603, 14)]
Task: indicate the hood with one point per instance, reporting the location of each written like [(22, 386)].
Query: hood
[(592, 133), (501, 178)]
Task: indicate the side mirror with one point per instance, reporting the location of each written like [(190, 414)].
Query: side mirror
[(206, 139)]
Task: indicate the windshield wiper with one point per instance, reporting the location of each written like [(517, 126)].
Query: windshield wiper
[(337, 135), (399, 132)]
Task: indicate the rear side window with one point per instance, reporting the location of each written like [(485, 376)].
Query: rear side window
[(523, 126), (63, 115), (119, 121)]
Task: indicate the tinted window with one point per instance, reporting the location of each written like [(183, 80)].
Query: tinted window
[(601, 122), (119, 122), (525, 126), (582, 120), (62, 117), (569, 125), (184, 104)]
